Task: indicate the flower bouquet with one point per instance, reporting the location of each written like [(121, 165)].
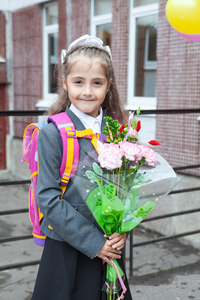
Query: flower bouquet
[(124, 186)]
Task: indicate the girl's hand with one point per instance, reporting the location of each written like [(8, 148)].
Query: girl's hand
[(117, 240), (107, 252)]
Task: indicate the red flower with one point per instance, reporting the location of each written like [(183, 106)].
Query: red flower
[(154, 143), (122, 128), (138, 127)]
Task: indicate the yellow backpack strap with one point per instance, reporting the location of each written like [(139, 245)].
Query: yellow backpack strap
[(73, 151), (88, 133)]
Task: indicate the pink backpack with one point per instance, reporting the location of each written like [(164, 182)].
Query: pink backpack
[(68, 166)]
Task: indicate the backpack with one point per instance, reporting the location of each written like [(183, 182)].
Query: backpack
[(70, 159)]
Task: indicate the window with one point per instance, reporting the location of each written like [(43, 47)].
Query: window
[(102, 7), (142, 54), (142, 68), (145, 56), (50, 52), (137, 3), (101, 18)]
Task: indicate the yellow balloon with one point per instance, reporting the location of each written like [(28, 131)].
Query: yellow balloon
[(184, 15)]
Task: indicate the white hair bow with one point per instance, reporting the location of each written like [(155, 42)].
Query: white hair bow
[(86, 40)]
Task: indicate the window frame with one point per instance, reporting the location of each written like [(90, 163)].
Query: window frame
[(47, 29), (134, 101), (98, 20)]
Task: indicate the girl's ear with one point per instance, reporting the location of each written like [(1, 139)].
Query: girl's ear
[(64, 83)]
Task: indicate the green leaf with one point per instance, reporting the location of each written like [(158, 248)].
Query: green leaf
[(111, 189), (133, 199), (110, 192), (134, 123), (141, 178), (101, 186), (91, 176), (138, 110), (132, 139), (97, 169)]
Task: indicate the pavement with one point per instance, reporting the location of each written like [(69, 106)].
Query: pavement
[(165, 270)]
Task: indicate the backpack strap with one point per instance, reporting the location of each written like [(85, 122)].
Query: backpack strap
[(70, 143), (88, 133), (69, 136)]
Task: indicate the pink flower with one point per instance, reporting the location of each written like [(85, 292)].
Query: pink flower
[(148, 154), (131, 151), (110, 156), (131, 132)]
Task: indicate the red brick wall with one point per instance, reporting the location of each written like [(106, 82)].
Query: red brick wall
[(178, 86), (62, 20), (27, 62), (3, 71), (119, 44), (62, 33), (80, 16)]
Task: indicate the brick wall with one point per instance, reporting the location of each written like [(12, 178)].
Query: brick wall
[(62, 20), (80, 16), (27, 62), (62, 33), (119, 44), (3, 71), (178, 86)]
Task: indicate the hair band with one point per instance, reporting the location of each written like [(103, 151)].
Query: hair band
[(86, 40)]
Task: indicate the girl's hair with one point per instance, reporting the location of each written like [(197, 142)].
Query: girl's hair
[(112, 105)]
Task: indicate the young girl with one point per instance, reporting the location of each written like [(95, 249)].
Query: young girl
[(71, 264)]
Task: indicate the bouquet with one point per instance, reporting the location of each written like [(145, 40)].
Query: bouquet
[(124, 186)]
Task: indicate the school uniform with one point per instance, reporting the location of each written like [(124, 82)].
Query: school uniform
[(69, 268)]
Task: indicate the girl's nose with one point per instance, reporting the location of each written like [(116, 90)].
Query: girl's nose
[(87, 91)]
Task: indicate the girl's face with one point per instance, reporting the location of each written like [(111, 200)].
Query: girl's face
[(87, 85)]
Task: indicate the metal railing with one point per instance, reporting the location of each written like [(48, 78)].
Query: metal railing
[(132, 245)]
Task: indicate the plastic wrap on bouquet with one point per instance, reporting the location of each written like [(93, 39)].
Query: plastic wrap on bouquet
[(119, 201), (119, 204)]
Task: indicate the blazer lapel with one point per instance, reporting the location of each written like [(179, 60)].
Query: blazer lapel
[(84, 143)]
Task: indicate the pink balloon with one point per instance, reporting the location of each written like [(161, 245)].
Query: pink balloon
[(189, 37)]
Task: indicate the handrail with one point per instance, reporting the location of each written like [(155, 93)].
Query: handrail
[(17, 113), (19, 265)]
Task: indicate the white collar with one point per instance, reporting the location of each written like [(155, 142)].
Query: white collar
[(88, 121)]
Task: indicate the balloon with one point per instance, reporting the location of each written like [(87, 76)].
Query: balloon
[(184, 15), (189, 37)]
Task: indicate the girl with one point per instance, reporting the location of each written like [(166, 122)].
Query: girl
[(71, 264)]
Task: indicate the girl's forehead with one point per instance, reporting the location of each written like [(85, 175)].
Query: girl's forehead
[(85, 59), (83, 63)]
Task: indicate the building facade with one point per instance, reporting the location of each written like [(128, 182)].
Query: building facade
[(155, 69)]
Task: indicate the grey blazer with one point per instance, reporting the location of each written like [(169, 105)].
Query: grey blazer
[(69, 217)]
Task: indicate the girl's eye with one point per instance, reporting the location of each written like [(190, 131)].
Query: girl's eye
[(78, 82), (98, 83)]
